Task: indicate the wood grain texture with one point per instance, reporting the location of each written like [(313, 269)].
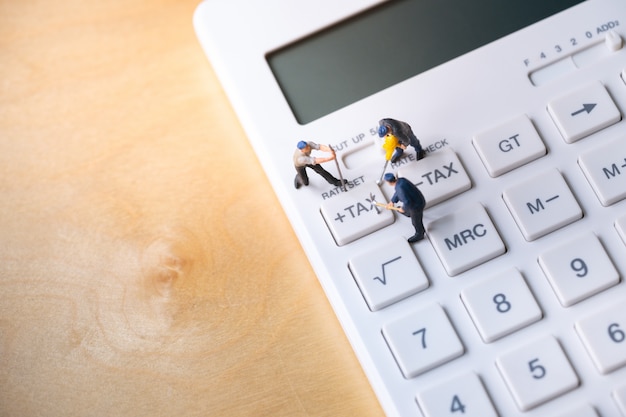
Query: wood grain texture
[(146, 268)]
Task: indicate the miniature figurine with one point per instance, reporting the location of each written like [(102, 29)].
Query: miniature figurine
[(302, 160), (405, 136), (412, 200)]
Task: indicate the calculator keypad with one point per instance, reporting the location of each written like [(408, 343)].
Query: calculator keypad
[(502, 305)]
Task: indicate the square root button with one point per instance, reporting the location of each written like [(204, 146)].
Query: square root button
[(352, 215), (465, 239), (388, 273)]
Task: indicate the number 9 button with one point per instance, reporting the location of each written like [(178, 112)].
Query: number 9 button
[(578, 269)]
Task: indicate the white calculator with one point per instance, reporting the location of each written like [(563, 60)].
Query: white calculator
[(513, 304)]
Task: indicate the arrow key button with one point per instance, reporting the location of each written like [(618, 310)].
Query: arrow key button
[(583, 112)]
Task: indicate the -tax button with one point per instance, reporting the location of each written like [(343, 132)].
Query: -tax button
[(352, 215)]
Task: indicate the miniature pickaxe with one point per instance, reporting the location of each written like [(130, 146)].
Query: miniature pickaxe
[(377, 204), (343, 186)]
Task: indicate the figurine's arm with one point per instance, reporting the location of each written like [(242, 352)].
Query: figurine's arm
[(325, 148)]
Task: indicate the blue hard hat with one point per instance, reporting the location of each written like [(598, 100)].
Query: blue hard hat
[(382, 130), (389, 177), (302, 144)]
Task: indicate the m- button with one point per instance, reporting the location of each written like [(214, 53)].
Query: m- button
[(583, 112), (542, 204)]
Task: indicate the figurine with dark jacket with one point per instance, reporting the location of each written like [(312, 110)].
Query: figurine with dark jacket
[(413, 203)]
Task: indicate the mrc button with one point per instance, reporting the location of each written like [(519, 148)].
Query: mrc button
[(465, 239), (352, 215)]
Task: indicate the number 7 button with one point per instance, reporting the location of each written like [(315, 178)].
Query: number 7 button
[(422, 340)]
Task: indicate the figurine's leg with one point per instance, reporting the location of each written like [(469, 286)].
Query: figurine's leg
[(325, 174), (417, 220), (301, 177), (419, 151)]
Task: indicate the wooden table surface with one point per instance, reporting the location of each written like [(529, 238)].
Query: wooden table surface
[(146, 267)]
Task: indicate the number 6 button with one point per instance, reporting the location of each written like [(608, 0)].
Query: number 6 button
[(604, 337), (537, 373)]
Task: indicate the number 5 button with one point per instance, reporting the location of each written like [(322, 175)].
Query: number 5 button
[(604, 337), (537, 373), (501, 305), (422, 340)]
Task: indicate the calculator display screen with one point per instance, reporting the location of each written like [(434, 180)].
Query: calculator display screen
[(391, 43)]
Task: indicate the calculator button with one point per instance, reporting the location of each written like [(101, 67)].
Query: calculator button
[(388, 274), (583, 411), (465, 395), (605, 169), (619, 395), (509, 145), (465, 239), (422, 341), (352, 215), (578, 269), (583, 112), (501, 305), (439, 176), (542, 204), (604, 337), (620, 225), (537, 373)]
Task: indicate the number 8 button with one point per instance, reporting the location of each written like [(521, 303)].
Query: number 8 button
[(501, 305)]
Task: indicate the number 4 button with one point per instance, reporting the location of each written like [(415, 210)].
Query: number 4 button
[(537, 373), (463, 396)]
